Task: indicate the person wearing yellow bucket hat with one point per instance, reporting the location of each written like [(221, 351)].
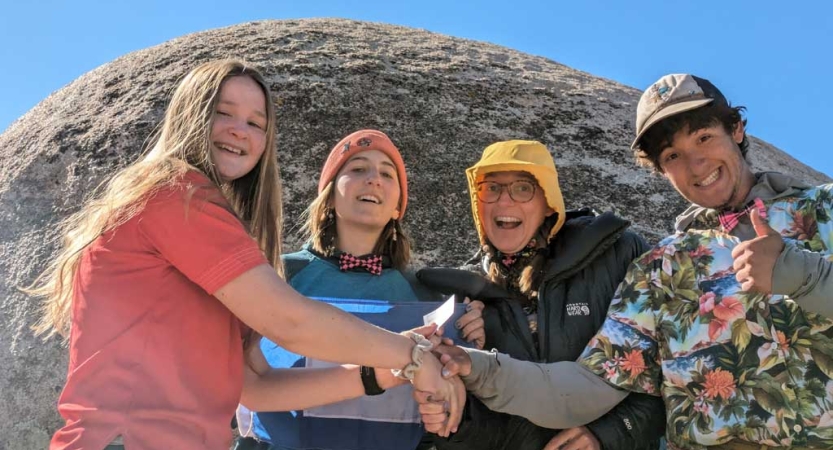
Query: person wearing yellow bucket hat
[(561, 269)]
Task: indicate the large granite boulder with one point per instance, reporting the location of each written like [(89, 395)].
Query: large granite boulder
[(441, 99)]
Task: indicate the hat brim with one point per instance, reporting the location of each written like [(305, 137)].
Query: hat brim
[(666, 112)]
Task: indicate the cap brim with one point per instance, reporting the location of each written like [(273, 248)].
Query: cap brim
[(669, 111)]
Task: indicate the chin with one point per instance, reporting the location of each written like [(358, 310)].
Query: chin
[(227, 178), (372, 225), (505, 245), (715, 204), (509, 248)]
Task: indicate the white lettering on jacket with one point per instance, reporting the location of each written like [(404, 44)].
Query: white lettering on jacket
[(578, 309)]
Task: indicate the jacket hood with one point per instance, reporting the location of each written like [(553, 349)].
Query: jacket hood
[(524, 156)]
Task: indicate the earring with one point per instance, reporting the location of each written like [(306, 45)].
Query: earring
[(331, 247), (329, 232), (393, 238)]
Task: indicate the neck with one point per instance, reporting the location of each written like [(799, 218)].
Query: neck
[(356, 240), (744, 188)]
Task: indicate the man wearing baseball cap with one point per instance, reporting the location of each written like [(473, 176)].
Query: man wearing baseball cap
[(726, 319)]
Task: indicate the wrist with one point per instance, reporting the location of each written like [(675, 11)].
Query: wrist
[(369, 381), (421, 346), (478, 362), (789, 271), (386, 380)]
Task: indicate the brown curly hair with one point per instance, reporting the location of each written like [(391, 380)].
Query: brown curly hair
[(661, 134)]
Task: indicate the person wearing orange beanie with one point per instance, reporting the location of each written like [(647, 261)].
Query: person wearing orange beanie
[(356, 251)]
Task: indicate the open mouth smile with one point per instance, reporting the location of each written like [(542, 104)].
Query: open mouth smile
[(709, 179), (230, 149), (507, 222), (370, 199)]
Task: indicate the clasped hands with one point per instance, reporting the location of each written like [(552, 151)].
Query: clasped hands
[(442, 410), (437, 388)]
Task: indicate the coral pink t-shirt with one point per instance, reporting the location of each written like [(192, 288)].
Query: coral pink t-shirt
[(154, 357)]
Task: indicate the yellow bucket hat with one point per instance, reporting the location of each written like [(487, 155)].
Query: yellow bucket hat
[(523, 156)]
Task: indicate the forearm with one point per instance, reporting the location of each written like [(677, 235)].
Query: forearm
[(295, 389), (310, 328), (557, 395), (327, 333), (806, 277), (301, 388)]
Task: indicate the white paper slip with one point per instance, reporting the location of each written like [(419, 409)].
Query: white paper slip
[(441, 314)]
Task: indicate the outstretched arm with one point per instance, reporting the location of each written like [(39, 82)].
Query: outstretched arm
[(565, 395), (315, 329), (318, 330), (270, 389)]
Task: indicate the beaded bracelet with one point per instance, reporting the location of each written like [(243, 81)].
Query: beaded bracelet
[(422, 345)]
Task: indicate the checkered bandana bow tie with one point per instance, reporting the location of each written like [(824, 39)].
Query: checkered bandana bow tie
[(729, 219), (371, 263)]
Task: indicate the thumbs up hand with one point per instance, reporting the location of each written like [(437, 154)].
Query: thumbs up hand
[(755, 258)]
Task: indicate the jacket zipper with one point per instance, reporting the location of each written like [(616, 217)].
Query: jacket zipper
[(518, 332), (543, 326), (543, 330)]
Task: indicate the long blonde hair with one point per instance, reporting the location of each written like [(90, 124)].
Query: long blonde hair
[(319, 229), (183, 144)]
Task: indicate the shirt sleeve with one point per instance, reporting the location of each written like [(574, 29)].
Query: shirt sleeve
[(625, 350), (806, 277), (193, 229), (804, 271), (557, 395)]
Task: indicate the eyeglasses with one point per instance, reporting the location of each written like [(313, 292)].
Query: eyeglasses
[(520, 191)]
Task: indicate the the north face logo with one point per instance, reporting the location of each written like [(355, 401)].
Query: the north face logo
[(578, 309)]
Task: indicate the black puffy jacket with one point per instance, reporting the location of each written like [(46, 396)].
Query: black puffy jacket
[(588, 259)]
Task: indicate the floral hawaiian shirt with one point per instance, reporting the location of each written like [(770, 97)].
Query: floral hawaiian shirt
[(729, 364)]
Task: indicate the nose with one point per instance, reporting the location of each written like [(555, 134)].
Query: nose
[(696, 162), (504, 198), (374, 177), (238, 129)]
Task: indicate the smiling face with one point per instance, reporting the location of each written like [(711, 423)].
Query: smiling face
[(366, 192), (238, 133), (510, 225), (707, 168)]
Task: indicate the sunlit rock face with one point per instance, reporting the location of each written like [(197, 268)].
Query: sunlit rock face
[(441, 99)]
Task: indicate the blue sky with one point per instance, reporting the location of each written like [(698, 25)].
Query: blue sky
[(773, 57)]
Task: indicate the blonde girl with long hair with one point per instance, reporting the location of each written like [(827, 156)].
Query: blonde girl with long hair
[(167, 271)]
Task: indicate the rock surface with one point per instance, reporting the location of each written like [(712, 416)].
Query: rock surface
[(441, 99)]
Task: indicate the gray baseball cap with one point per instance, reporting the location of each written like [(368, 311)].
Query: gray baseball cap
[(671, 95)]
